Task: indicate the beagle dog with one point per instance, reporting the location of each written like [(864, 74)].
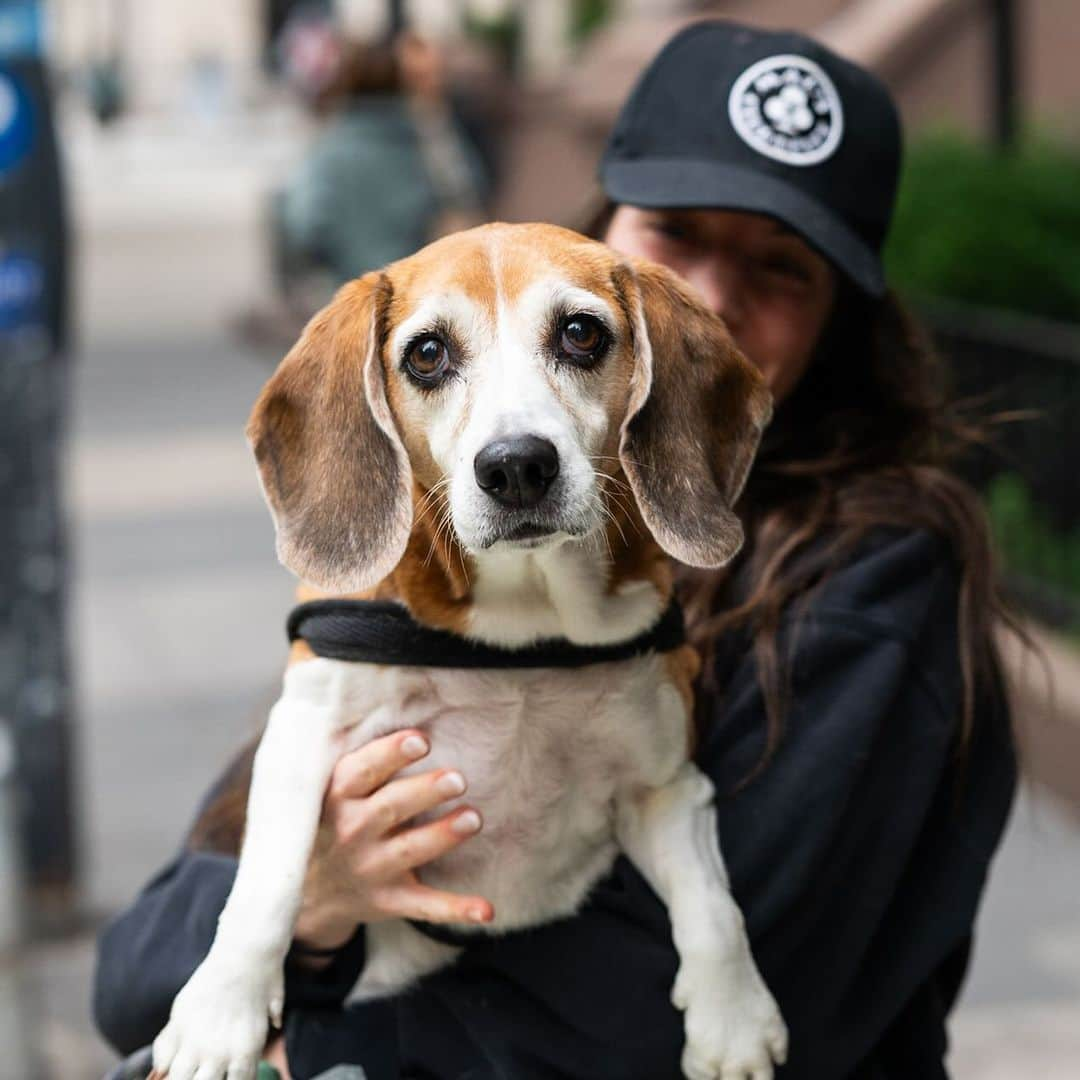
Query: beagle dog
[(508, 433)]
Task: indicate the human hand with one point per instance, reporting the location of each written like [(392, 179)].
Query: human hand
[(363, 867)]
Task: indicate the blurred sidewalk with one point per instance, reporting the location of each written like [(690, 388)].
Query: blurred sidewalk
[(179, 602), (169, 220)]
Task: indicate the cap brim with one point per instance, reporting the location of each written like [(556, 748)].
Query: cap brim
[(680, 182)]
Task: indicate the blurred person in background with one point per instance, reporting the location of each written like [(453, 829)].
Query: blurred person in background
[(390, 169), (851, 709)]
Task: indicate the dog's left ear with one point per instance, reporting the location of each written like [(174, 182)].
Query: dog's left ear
[(696, 413), (333, 466)]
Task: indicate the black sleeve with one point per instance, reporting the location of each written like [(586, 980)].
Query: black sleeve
[(860, 852), (857, 856), (147, 953)]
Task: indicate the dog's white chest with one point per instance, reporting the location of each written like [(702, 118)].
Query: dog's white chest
[(545, 752)]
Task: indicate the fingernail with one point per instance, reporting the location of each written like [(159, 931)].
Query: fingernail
[(453, 783), (414, 747), (468, 822), (478, 914)]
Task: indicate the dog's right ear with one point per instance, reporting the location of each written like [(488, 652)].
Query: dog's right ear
[(332, 464), (696, 414)]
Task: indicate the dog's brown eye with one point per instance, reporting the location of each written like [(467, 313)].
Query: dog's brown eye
[(582, 337), (428, 359)]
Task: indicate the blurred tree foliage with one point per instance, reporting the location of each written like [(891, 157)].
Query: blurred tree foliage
[(587, 16), (977, 225), (1028, 541), (502, 35)]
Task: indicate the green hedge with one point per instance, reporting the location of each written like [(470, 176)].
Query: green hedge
[(587, 16), (503, 34), (984, 227), (1027, 541)]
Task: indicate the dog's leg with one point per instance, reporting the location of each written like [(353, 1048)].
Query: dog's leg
[(397, 956), (218, 1023), (733, 1027)]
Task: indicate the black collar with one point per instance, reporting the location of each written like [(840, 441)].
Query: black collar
[(379, 632)]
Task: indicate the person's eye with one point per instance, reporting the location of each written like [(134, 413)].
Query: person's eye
[(427, 360), (582, 339), (784, 267), (670, 230)]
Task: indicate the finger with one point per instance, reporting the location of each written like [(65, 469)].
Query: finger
[(417, 846), (433, 905), (360, 772), (402, 799), (778, 1043)]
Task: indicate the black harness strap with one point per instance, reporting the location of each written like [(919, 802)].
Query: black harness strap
[(382, 632)]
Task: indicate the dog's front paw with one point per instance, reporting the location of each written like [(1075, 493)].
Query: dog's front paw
[(217, 1028), (734, 1029)]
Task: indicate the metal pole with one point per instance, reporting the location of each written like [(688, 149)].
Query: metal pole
[(397, 21), (15, 1024), (1005, 72), (11, 871), (35, 692)]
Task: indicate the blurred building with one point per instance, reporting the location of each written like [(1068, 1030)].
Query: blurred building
[(939, 57), (932, 51), (196, 53), (573, 61)]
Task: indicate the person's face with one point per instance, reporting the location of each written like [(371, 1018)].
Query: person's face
[(421, 66), (774, 292)]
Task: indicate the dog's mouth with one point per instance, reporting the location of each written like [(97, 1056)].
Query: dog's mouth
[(534, 533), (527, 534), (528, 530)]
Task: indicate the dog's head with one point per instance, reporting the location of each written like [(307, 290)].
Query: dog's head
[(513, 372)]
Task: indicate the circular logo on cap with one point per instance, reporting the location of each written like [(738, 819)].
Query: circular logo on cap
[(787, 108)]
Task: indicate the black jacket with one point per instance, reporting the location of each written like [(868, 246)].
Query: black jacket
[(858, 857)]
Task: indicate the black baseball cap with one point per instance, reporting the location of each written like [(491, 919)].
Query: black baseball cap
[(734, 117)]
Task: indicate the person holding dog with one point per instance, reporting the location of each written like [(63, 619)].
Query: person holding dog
[(851, 708)]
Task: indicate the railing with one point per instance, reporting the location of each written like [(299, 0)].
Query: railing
[(897, 39), (1027, 372)]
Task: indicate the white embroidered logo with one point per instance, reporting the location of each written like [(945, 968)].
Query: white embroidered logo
[(787, 108)]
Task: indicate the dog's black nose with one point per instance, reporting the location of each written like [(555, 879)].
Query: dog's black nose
[(517, 472)]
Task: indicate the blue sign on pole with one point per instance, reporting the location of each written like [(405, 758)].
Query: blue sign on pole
[(16, 121), (20, 28)]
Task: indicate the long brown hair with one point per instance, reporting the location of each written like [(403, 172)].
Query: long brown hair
[(867, 441), (364, 70)]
